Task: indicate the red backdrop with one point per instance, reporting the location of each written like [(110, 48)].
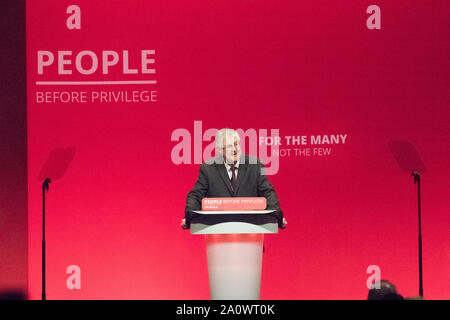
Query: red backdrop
[(13, 151), (305, 69)]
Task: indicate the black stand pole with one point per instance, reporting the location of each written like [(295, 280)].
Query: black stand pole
[(44, 187), (417, 181)]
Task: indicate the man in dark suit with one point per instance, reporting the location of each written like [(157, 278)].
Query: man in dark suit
[(231, 174)]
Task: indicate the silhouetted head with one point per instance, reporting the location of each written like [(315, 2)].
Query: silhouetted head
[(383, 290), (13, 294)]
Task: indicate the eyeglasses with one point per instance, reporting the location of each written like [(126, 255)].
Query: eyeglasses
[(231, 146)]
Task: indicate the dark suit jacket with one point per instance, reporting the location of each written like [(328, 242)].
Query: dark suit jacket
[(213, 182)]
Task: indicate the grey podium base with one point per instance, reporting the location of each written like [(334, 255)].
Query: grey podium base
[(234, 250)]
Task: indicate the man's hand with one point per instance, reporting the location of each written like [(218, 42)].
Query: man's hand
[(183, 223), (284, 223)]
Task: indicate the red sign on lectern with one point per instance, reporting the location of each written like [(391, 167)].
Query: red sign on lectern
[(233, 204)]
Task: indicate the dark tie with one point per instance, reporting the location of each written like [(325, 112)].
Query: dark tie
[(233, 176)]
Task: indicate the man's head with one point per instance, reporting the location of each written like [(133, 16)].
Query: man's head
[(383, 290), (228, 144)]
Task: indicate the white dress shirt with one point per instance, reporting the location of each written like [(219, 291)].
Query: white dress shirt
[(228, 167)]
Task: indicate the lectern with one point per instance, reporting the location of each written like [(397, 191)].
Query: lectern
[(234, 249)]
